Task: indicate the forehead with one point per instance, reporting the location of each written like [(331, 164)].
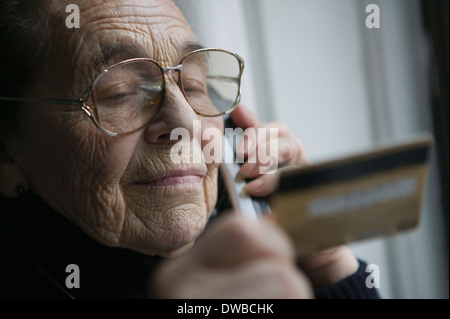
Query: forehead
[(111, 31)]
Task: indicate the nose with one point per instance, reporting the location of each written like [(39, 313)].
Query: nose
[(175, 112)]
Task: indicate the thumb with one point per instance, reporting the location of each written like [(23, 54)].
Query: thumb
[(244, 118), (234, 240)]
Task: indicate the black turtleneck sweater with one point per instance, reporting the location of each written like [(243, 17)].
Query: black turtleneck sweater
[(37, 244)]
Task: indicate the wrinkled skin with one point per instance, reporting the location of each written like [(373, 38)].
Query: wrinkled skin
[(93, 179), (98, 181)]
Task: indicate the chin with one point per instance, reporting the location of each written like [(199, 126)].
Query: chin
[(176, 252), (174, 248), (175, 235)]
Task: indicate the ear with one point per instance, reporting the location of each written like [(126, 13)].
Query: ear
[(13, 180)]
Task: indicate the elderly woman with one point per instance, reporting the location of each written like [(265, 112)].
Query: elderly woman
[(93, 205)]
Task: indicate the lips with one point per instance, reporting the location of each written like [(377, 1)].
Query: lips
[(175, 177)]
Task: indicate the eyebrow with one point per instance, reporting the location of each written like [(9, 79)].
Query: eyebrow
[(123, 49), (111, 51), (191, 46)]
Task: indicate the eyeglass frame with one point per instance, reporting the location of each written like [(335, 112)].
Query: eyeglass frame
[(81, 102)]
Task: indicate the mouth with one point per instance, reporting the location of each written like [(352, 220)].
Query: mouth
[(174, 177)]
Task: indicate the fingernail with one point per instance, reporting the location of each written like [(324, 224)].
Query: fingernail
[(239, 177), (247, 169), (243, 173), (243, 193), (252, 186)]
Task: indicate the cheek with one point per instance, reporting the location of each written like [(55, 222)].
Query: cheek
[(80, 172), (97, 203), (210, 187), (77, 170), (97, 166), (211, 140), (212, 132), (48, 146)]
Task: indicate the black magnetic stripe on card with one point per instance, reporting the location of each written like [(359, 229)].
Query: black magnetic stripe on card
[(352, 170)]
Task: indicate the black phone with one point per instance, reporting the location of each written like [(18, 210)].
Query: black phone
[(251, 207)]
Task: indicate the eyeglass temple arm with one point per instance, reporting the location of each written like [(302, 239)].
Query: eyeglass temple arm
[(224, 78), (49, 101)]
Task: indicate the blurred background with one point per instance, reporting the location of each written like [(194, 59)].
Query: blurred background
[(342, 88)]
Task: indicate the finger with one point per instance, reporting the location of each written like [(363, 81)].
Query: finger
[(263, 158), (247, 143), (254, 168), (326, 257), (244, 118), (235, 240), (282, 128), (270, 155), (266, 178), (266, 279), (265, 184), (329, 266), (291, 152), (262, 186), (260, 133)]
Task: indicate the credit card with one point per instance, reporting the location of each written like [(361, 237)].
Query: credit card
[(362, 196)]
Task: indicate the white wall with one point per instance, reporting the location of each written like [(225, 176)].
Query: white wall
[(341, 88), (221, 24), (400, 107)]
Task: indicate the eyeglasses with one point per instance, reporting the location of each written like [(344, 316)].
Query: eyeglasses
[(125, 97)]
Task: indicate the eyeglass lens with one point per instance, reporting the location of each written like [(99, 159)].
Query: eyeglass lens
[(129, 95)]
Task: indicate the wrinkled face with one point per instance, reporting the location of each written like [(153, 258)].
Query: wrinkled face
[(125, 190)]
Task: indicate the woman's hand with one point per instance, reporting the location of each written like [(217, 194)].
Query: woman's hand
[(289, 151), (323, 268), (234, 259)]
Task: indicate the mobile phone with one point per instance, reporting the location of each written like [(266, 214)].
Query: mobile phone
[(250, 207)]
